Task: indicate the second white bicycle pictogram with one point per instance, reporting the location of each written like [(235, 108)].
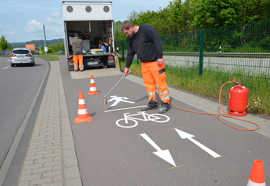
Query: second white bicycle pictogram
[(131, 120)]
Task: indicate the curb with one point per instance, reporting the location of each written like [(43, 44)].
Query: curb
[(69, 153), (12, 150)]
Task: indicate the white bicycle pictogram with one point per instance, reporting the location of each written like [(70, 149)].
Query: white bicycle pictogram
[(131, 120)]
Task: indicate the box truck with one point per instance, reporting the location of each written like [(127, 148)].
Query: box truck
[(93, 21)]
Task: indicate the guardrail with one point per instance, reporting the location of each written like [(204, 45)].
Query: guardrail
[(223, 54)]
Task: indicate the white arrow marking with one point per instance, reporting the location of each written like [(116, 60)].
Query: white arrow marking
[(163, 154), (185, 135)]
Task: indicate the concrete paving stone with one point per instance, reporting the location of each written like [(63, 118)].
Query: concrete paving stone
[(56, 184), (66, 133), (71, 172), (73, 182), (70, 163), (68, 151), (37, 171), (54, 176), (69, 144), (68, 140), (30, 177), (49, 164), (58, 178), (34, 166), (67, 148), (25, 183), (41, 182)]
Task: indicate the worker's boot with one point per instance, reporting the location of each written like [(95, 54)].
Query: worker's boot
[(164, 107), (75, 68), (81, 67), (150, 105)]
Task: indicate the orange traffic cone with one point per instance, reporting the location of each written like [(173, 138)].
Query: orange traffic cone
[(92, 88), (83, 116), (257, 174)]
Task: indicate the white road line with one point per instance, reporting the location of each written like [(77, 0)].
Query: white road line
[(5, 68), (190, 137), (163, 154), (113, 110)]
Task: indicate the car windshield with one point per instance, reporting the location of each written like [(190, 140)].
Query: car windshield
[(20, 51)]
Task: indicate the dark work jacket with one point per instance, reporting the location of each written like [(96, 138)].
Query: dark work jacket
[(77, 46), (146, 43)]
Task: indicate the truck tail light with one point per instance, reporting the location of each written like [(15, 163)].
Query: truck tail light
[(110, 57)]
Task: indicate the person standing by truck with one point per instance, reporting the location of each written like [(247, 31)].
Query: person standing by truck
[(146, 43), (77, 46)]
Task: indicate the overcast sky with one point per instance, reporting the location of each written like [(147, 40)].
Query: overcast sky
[(21, 20)]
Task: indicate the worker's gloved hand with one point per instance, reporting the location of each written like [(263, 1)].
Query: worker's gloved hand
[(160, 61), (126, 71)]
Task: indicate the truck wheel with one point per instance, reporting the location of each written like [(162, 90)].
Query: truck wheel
[(70, 67)]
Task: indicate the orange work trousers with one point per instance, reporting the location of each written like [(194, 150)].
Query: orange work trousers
[(154, 75), (78, 60)]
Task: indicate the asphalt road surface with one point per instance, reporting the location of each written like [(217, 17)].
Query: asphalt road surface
[(18, 86), (117, 156)]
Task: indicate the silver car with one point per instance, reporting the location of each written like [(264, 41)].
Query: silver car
[(21, 56)]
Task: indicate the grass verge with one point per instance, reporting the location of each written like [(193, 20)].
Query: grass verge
[(50, 57)]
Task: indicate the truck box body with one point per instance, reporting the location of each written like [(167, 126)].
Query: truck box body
[(93, 21)]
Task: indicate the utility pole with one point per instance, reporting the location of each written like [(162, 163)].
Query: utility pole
[(45, 46)]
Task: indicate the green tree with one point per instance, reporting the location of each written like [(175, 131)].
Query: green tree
[(119, 36), (266, 9), (4, 45), (214, 13), (250, 11)]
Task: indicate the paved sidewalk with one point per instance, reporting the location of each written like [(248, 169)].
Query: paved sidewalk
[(51, 158)]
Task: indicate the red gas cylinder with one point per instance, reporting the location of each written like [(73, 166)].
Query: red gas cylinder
[(238, 100)]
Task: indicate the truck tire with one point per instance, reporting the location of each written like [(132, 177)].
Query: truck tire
[(70, 68)]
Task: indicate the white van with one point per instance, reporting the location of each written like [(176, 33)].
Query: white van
[(93, 21)]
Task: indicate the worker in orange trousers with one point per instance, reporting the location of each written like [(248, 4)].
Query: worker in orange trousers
[(144, 41), (77, 46)]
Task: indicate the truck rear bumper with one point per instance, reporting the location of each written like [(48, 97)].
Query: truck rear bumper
[(93, 62)]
